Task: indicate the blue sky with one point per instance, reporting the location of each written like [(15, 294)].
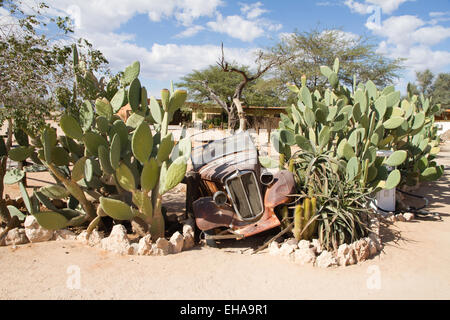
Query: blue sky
[(172, 37)]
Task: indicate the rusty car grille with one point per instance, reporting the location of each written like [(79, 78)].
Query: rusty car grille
[(244, 192)]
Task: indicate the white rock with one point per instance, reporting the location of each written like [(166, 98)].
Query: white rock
[(292, 242), (117, 241), (325, 260), (34, 231), (392, 218), (64, 234), (94, 239), (16, 236), (287, 249), (134, 248), (408, 216), (345, 255), (177, 242), (400, 217), (145, 246), (376, 240), (316, 245), (188, 242), (188, 230), (304, 244), (362, 250), (274, 248), (304, 255), (161, 247)]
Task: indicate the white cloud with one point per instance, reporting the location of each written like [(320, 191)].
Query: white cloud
[(252, 11), (237, 27), (165, 61), (189, 32), (439, 13), (108, 15), (387, 6), (246, 28)]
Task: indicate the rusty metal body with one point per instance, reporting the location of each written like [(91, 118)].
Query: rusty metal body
[(231, 166)]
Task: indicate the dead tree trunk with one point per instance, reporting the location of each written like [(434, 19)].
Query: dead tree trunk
[(247, 78)]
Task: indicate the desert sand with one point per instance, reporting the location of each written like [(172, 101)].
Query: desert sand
[(414, 264)]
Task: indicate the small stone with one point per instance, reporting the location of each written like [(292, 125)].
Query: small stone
[(408, 216), (161, 247), (325, 259), (134, 248), (274, 248), (16, 236), (303, 256), (188, 242), (94, 239), (189, 226), (145, 246), (372, 247), (362, 250), (34, 231), (392, 218), (400, 217), (177, 242), (287, 249), (64, 234), (304, 244), (117, 241), (316, 245), (292, 242), (376, 240), (346, 255)]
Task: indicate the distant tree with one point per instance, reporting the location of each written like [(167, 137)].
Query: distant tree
[(36, 68), (231, 85), (315, 48), (441, 90), (425, 82)]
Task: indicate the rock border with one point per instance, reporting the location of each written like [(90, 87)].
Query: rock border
[(309, 252), (300, 252), (117, 242)]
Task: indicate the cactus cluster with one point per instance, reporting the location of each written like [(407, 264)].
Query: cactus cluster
[(352, 126), (332, 140), (105, 166), (305, 223)]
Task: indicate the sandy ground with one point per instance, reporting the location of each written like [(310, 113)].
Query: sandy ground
[(413, 265)]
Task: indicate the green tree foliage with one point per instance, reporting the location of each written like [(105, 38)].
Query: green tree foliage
[(36, 75), (260, 92), (431, 86), (441, 90), (311, 49), (425, 82)]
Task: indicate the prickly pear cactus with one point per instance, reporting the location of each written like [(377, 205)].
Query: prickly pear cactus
[(351, 126), (100, 161)]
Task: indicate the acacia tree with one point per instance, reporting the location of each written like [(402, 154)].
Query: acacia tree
[(209, 84), (315, 48)]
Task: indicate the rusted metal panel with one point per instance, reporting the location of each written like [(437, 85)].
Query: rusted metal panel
[(283, 186), (208, 216)]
